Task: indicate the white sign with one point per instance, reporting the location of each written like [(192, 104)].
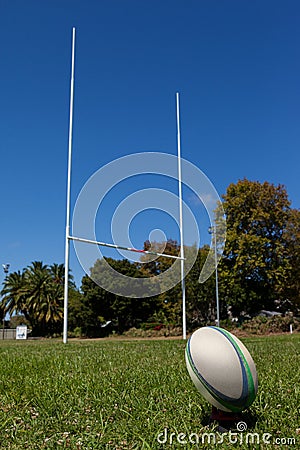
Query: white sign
[(21, 332)]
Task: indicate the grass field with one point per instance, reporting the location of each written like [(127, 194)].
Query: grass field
[(136, 395)]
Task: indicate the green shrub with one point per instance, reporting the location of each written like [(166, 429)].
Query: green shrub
[(266, 325)]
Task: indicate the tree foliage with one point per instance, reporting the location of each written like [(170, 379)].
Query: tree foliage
[(36, 293), (100, 306), (291, 236), (256, 264), (259, 269)]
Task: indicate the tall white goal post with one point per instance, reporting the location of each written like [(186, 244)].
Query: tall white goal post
[(69, 237)]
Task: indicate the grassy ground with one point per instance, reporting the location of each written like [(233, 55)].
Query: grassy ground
[(134, 395)]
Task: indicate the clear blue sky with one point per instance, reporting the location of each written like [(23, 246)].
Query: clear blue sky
[(235, 63)]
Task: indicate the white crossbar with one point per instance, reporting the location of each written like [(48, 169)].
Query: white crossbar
[(128, 249)]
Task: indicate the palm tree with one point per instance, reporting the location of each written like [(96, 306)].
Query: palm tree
[(44, 294), (14, 294), (57, 272), (51, 306), (38, 294)]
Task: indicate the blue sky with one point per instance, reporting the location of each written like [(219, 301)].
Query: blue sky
[(235, 63)]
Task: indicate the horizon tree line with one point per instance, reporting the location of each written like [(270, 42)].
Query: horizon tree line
[(259, 269)]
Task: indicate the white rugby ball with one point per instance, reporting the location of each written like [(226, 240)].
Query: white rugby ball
[(221, 368)]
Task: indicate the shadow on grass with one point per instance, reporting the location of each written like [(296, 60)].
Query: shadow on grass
[(246, 420)]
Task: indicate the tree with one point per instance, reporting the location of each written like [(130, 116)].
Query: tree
[(57, 273), (255, 265), (95, 308), (159, 264), (101, 305), (13, 294), (37, 293), (201, 304), (199, 297), (75, 310), (169, 302), (291, 298)]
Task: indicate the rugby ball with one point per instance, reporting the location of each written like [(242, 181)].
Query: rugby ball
[(221, 368)]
